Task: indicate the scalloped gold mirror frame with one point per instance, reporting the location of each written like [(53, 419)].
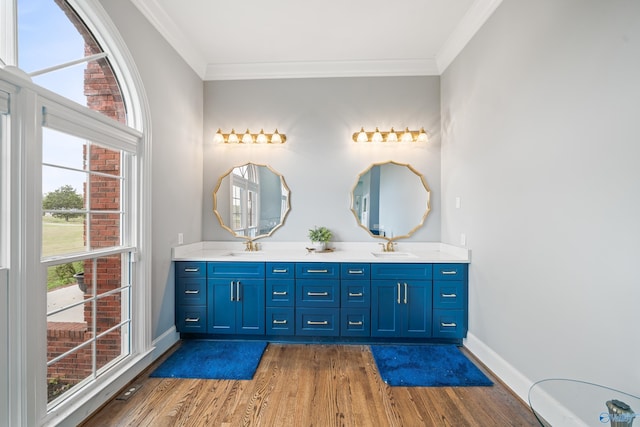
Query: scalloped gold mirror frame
[(402, 235), (284, 210)]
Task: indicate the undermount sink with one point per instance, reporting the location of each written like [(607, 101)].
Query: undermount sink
[(393, 255), (247, 253)]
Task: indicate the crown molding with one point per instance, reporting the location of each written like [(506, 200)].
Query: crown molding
[(319, 69), (172, 33), (471, 22)]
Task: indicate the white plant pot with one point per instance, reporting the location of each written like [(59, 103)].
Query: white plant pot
[(319, 246)]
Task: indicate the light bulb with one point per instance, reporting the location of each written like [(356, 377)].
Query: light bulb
[(377, 136), (362, 136), (406, 136), (392, 136), (422, 136), (233, 138), (247, 138), (275, 138), (218, 138), (261, 138)]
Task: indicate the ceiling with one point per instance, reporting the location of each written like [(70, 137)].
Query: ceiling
[(258, 39)]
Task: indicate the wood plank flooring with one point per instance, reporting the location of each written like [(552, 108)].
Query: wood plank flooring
[(312, 385)]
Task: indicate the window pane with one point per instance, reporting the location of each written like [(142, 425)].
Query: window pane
[(50, 34), (74, 347)]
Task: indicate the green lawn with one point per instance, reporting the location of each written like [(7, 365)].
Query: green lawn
[(62, 237)]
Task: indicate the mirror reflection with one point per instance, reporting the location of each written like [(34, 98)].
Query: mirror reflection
[(390, 200), (251, 201)]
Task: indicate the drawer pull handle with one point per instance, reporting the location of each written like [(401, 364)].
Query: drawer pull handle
[(317, 294), (355, 271), (355, 323), (279, 322), (191, 270), (322, 323), (352, 294), (318, 271), (398, 292), (192, 320), (452, 272), (192, 292), (280, 293), (448, 325), (280, 270), (448, 295)]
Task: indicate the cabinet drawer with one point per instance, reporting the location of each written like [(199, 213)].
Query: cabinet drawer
[(280, 321), (317, 293), (191, 291), (355, 293), (317, 270), (280, 270), (449, 294), (191, 319), (191, 269), (355, 271), (235, 270), (318, 321), (280, 293), (449, 324), (355, 322), (401, 271), (450, 272)]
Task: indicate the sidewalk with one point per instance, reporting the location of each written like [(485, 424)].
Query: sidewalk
[(63, 297)]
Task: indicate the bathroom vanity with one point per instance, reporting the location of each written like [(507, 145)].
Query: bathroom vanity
[(352, 294)]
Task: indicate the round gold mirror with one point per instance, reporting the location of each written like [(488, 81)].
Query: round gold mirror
[(251, 201), (390, 200)]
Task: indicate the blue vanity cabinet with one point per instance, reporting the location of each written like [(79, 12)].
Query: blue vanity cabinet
[(355, 299), (450, 300), (236, 298), (401, 300), (280, 298), (191, 297), (317, 299)]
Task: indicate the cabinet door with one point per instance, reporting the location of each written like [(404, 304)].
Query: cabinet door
[(385, 309), (221, 306), (416, 308), (250, 306)]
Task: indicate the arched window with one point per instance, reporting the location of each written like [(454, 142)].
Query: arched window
[(80, 187)]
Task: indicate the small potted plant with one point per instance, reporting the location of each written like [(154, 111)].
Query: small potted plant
[(319, 237)]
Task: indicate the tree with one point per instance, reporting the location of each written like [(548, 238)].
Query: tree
[(64, 198)]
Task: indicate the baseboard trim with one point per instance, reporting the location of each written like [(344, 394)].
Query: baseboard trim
[(546, 406), (164, 342)]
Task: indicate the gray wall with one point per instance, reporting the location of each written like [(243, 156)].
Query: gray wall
[(540, 140), (175, 96), (319, 161)]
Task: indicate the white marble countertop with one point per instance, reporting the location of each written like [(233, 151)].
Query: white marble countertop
[(369, 252)]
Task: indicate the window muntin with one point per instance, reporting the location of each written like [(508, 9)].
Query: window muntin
[(245, 200)]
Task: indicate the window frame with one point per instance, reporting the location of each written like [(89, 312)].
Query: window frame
[(26, 364)]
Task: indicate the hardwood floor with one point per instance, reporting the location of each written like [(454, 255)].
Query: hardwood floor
[(312, 385)]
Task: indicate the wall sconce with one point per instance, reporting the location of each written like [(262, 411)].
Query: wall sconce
[(249, 138), (391, 136)]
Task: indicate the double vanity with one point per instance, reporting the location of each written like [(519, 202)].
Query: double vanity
[(355, 293)]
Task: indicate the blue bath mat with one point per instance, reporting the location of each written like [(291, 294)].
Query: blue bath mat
[(426, 366), (220, 360)]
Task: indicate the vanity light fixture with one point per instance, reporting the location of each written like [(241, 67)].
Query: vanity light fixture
[(249, 138), (391, 136)]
